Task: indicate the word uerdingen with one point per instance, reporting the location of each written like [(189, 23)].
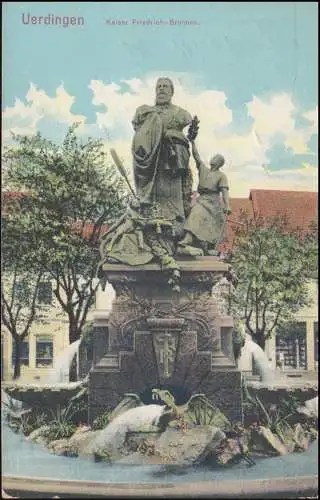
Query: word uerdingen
[(51, 19)]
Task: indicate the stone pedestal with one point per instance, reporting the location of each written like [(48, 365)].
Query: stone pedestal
[(160, 338)]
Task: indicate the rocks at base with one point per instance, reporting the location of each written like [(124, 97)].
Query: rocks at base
[(301, 438), (232, 449), (80, 441), (62, 448), (75, 446), (264, 441), (229, 451), (188, 447), (313, 406), (144, 438), (39, 435), (307, 413), (177, 447)]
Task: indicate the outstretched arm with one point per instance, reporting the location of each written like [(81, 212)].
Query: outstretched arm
[(224, 189), (196, 155), (225, 197)]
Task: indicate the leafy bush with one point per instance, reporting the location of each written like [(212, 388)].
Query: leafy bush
[(59, 430), (101, 421), (32, 421), (276, 419), (27, 422)]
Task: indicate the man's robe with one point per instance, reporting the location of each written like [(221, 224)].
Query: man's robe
[(161, 160)]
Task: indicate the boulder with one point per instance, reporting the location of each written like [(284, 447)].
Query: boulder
[(38, 435), (76, 445), (136, 439), (307, 412), (189, 446), (81, 440), (63, 448), (228, 451), (312, 433), (313, 406), (301, 438), (263, 440)]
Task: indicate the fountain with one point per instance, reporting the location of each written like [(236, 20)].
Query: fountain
[(57, 390), (62, 364), (164, 332), (252, 352)]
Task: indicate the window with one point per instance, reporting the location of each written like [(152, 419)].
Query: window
[(291, 346), (45, 293), (44, 350), (24, 352)]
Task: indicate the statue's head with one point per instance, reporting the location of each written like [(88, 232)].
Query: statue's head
[(216, 162), (164, 91)]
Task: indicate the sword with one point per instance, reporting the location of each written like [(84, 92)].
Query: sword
[(226, 219), (121, 169)]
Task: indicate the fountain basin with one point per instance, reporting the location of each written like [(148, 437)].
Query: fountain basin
[(45, 395), (293, 487), (280, 389)]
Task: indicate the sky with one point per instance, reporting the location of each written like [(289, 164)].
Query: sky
[(248, 70)]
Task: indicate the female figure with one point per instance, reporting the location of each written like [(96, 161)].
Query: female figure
[(204, 228)]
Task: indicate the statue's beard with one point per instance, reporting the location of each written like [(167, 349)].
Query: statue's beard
[(163, 99)]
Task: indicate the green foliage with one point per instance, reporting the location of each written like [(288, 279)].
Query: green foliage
[(273, 265), (276, 419), (70, 194), (32, 421), (63, 420), (27, 422), (165, 396), (59, 430), (101, 421), (200, 411)]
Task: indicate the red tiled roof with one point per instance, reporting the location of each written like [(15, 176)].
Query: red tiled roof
[(300, 207)]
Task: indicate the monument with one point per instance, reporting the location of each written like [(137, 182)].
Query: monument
[(165, 329)]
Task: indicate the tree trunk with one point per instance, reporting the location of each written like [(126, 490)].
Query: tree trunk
[(74, 334), (259, 339), (17, 363)]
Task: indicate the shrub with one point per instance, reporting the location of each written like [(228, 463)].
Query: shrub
[(59, 430), (101, 421)]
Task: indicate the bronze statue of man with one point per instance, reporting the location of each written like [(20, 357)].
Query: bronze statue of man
[(204, 228), (161, 157)]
